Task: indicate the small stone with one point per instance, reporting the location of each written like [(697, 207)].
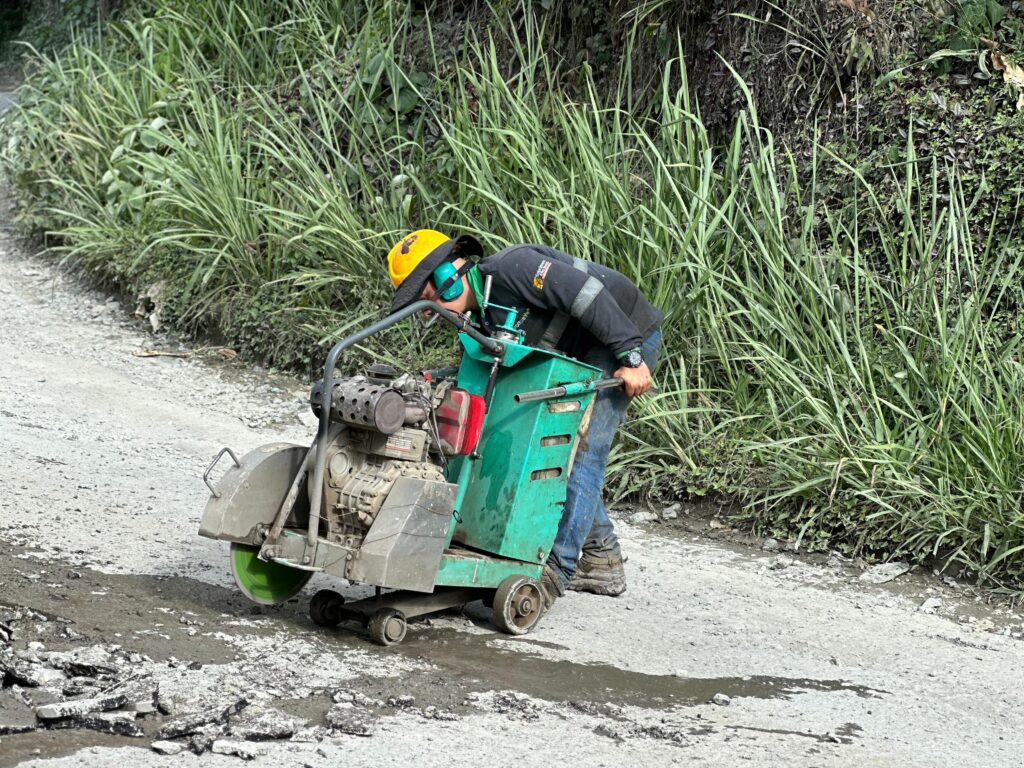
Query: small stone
[(202, 740), (433, 713), (671, 512), (643, 516), (345, 718), (362, 700), (401, 702), (35, 645), (930, 606), (721, 700), (779, 563), (235, 748), (770, 545), (312, 735), (166, 747), (880, 574)]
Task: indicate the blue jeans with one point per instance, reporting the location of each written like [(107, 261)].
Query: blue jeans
[(585, 523)]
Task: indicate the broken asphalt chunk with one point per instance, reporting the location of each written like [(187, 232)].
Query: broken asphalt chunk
[(189, 724), (117, 723), (345, 718), (81, 707), (33, 675), (265, 724)]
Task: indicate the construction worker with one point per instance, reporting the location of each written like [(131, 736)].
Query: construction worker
[(581, 309)]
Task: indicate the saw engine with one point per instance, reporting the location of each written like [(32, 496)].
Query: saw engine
[(388, 426)]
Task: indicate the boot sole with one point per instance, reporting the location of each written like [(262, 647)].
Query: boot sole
[(604, 588)]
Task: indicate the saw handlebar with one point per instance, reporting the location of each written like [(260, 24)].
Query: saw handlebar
[(569, 390)]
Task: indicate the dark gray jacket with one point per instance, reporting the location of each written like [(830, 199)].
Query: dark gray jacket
[(569, 304)]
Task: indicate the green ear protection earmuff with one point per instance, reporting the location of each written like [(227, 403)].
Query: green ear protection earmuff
[(447, 282)]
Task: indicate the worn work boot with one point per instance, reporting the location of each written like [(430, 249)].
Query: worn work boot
[(551, 586), (601, 573)]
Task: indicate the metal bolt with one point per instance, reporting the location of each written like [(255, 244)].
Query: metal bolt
[(540, 554), (305, 559)]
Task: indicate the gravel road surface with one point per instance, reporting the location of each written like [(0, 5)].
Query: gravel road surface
[(717, 654)]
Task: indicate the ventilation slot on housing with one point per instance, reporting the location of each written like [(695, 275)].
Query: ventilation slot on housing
[(569, 407), (554, 440), (545, 474)]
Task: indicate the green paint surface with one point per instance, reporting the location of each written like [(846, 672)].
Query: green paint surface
[(464, 569), (513, 494)]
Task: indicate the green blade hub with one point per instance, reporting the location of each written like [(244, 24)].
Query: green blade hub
[(263, 582)]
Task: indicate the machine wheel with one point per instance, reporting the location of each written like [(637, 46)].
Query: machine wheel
[(387, 626), (262, 582), (325, 608), (518, 605)]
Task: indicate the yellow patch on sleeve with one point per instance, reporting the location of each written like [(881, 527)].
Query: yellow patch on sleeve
[(542, 271)]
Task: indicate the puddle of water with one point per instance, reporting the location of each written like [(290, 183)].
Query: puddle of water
[(469, 656), (41, 744)]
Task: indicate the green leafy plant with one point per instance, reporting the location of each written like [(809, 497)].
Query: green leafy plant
[(842, 351)]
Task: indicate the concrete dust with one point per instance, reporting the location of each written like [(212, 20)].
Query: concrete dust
[(101, 453)]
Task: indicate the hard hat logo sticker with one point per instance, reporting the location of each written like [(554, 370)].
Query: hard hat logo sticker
[(407, 243)]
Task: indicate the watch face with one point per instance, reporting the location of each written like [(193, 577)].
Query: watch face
[(634, 359)]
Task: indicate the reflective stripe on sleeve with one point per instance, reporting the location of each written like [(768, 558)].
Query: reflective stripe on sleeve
[(556, 328), (586, 296)]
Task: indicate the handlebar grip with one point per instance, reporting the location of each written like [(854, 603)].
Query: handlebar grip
[(577, 388)]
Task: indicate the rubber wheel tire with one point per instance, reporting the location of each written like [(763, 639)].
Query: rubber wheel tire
[(518, 605), (326, 607), (387, 626)]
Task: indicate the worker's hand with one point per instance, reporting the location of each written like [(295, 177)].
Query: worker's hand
[(635, 381)]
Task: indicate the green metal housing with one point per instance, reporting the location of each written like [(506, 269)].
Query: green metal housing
[(512, 490)]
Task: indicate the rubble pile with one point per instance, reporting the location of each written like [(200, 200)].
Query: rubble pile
[(109, 689), (101, 687)]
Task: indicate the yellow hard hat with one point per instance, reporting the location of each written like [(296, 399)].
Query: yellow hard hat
[(413, 260), (410, 251)]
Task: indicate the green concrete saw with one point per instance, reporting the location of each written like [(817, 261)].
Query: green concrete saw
[(436, 488)]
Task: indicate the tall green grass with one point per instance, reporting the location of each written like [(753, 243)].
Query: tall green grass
[(837, 368)]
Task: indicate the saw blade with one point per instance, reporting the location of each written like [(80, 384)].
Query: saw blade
[(263, 582)]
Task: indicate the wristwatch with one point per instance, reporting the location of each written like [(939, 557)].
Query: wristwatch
[(632, 358)]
